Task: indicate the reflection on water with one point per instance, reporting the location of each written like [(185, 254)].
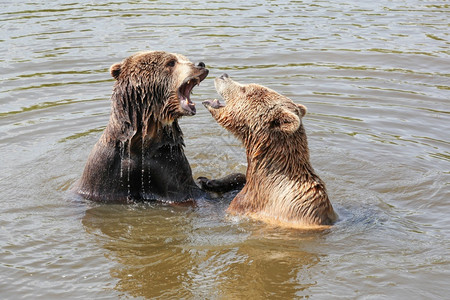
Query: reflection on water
[(172, 252), (374, 77)]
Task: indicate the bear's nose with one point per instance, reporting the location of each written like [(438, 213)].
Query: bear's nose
[(224, 75), (201, 65)]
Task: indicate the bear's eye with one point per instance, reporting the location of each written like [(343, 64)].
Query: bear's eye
[(171, 63)]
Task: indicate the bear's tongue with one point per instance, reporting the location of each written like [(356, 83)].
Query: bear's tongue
[(184, 95), (187, 104)]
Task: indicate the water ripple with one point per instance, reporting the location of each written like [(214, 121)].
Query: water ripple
[(374, 76)]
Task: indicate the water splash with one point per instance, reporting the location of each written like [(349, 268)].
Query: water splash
[(142, 166), (125, 165), (122, 154), (129, 167)]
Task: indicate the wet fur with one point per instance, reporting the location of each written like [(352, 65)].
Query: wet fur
[(140, 155), (282, 186)]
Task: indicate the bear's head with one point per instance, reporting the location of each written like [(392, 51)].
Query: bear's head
[(254, 110), (155, 86)]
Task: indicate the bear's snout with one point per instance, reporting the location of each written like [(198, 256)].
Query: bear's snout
[(201, 65)]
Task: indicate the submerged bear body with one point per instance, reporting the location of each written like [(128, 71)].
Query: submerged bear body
[(123, 171)]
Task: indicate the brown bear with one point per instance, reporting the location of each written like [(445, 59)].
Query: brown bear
[(140, 155), (282, 186)]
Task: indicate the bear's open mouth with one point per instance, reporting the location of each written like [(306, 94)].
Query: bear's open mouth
[(216, 104), (185, 90)]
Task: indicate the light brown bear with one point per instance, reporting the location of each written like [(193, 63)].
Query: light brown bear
[(282, 186), (140, 155)]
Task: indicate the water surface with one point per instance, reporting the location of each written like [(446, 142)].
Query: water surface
[(375, 80)]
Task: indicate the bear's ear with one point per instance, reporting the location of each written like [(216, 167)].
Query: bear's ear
[(115, 70), (286, 121), (303, 110)]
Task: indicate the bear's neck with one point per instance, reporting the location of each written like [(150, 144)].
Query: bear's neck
[(141, 120), (142, 136), (286, 155)]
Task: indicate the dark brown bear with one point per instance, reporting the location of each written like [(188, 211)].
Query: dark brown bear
[(140, 154), (282, 186)]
